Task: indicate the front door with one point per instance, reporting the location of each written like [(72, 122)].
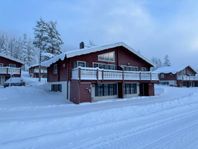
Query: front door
[(120, 90)]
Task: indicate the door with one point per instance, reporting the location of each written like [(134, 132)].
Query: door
[(144, 89), (120, 90)]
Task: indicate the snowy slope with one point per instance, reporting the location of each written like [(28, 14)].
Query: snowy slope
[(32, 117)]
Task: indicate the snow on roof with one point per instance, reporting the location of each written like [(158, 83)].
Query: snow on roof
[(78, 52), (34, 65), (11, 58), (171, 69)]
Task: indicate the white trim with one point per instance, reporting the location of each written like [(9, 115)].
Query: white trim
[(102, 60), (81, 62), (103, 64), (130, 67)]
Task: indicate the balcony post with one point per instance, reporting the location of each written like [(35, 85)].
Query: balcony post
[(97, 74), (102, 75), (140, 76), (79, 73), (123, 75), (150, 76)]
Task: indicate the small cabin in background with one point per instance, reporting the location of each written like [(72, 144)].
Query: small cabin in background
[(178, 76), (34, 71), (9, 67)]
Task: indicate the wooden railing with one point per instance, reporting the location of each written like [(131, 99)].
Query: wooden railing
[(187, 78), (10, 70), (88, 73)]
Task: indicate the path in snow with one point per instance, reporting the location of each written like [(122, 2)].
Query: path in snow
[(169, 120)]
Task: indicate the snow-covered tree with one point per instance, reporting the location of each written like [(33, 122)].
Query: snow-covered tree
[(47, 39), (23, 51), (55, 39), (3, 44), (31, 53), (167, 61), (157, 62)]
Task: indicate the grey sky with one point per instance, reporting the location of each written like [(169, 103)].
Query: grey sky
[(153, 27)]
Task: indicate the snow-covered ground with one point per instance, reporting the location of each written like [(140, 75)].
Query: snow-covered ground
[(32, 117)]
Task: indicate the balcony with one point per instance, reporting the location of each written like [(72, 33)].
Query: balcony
[(10, 70), (187, 78), (85, 73)]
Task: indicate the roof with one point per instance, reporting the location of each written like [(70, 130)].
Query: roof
[(11, 58), (172, 69), (35, 65), (73, 53)]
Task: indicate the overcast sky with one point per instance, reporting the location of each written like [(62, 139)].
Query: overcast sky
[(153, 27)]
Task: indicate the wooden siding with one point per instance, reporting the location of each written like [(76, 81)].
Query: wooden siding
[(122, 57)]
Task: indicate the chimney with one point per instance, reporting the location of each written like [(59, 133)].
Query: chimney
[(82, 45)]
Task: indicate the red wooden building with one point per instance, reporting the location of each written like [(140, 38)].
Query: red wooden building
[(9, 67), (178, 76), (34, 71), (100, 72)]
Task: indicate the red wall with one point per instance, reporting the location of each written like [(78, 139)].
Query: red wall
[(6, 62), (122, 57)]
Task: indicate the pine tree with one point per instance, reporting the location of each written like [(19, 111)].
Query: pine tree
[(167, 61), (157, 62), (23, 51), (47, 38), (55, 40)]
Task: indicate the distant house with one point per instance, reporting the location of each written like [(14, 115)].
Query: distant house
[(100, 72), (178, 76), (34, 71), (9, 67)]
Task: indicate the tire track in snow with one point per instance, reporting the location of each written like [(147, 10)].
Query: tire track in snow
[(100, 128)]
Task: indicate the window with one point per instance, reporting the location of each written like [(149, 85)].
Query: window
[(79, 64), (55, 69), (130, 88), (130, 68), (56, 87), (143, 69), (162, 75), (1, 64), (105, 90), (104, 66), (12, 65), (107, 57)]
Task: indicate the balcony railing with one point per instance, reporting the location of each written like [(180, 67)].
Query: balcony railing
[(187, 78), (10, 70), (85, 73)]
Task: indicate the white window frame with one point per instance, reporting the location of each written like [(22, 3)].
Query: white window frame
[(108, 59), (104, 64), (133, 67), (1, 64), (85, 63)]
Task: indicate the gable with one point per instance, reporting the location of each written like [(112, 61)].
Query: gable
[(95, 49)]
